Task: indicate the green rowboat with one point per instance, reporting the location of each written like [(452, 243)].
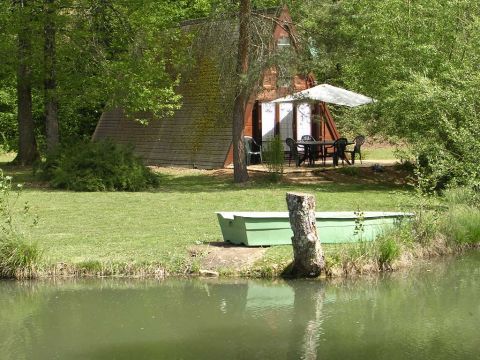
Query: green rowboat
[(273, 228)]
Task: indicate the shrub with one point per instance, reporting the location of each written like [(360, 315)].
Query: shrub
[(97, 166), (273, 157), (18, 257)]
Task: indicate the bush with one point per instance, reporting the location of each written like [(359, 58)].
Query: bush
[(18, 257), (97, 166), (273, 158)]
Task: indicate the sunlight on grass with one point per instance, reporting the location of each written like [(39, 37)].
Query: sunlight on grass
[(380, 153), (6, 157), (159, 226)]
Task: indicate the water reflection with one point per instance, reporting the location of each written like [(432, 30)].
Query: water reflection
[(430, 314), (306, 329)]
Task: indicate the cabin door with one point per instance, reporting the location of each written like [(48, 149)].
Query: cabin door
[(304, 120), (277, 120), (268, 121), (285, 120), (285, 123)]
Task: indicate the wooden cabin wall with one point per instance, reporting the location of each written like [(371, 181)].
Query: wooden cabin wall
[(247, 130)]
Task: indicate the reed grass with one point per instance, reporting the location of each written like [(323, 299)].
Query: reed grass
[(19, 258), (461, 225)]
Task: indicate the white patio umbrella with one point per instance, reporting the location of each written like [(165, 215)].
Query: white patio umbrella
[(329, 94)]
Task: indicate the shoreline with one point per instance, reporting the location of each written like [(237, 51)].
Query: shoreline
[(259, 270)]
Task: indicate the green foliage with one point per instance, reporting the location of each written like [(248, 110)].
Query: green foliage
[(7, 203), (89, 267), (461, 224), (108, 54), (425, 228), (388, 251), (18, 257), (273, 157), (97, 166), (462, 196), (121, 53), (418, 59), (8, 117), (440, 119), (381, 253), (359, 223)]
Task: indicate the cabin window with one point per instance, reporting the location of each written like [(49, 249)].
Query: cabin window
[(284, 42), (284, 81), (284, 77)]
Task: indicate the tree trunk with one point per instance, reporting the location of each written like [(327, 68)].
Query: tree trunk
[(308, 258), (27, 146), (50, 96), (240, 173)]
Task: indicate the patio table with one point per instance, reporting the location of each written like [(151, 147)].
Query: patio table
[(311, 147)]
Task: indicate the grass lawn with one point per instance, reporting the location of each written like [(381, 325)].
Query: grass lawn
[(159, 226), (386, 152)]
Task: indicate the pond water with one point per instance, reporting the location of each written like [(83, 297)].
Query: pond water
[(428, 313)]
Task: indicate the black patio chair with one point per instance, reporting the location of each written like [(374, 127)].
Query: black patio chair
[(338, 151), (307, 138), (250, 143), (340, 147), (359, 141), (311, 151), (293, 153)]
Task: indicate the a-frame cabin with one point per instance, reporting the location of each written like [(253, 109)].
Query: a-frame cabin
[(199, 133)]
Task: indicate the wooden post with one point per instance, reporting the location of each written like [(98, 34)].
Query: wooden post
[(308, 260)]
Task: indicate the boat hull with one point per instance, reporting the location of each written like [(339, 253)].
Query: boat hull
[(266, 229)]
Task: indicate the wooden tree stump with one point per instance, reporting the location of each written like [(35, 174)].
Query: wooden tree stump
[(308, 260)]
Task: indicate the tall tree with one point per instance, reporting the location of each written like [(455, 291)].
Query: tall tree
[(50, 85), (240, 173), (27, 145), (82, 56), (8, 103)]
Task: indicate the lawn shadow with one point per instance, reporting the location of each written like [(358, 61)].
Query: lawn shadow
[(212, 182), (188, 181)]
